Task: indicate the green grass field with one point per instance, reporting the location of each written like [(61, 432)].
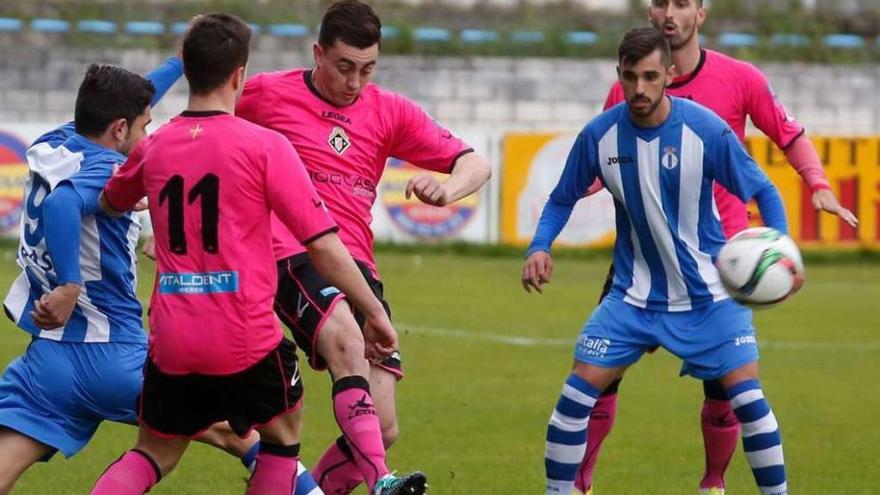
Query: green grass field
[(474, 405)]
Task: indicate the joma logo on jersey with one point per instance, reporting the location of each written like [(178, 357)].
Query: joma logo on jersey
[(339, 140), (745, 340), (593, 347), (620, 160), (335, 116)]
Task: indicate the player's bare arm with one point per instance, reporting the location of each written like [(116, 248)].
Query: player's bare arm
[(469, 173), (335, 263), (106, 208), (537, 271), (802, 155)]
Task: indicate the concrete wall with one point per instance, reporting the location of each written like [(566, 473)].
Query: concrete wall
[(497, 93)]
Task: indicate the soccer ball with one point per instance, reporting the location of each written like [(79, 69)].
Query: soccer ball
[(760, 266)]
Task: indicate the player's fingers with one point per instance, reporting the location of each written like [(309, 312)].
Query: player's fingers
[(524, 278), (410, 186), (848, 217)]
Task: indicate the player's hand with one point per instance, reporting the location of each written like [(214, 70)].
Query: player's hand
[(380, 337), (149, 248), (824, 199), (142, 205), (428, 189), (54, 309), (537, 271)]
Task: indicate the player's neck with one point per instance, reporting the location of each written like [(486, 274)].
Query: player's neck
[(217, 101), (687, 58)]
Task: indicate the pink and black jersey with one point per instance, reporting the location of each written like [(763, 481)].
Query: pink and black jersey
[(345, 148), (211, 180), (733, 89)]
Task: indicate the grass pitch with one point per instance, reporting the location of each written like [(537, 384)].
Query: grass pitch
[(485, 362)]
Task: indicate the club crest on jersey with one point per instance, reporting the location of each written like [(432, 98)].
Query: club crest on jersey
[(339, 140), (669, 160)]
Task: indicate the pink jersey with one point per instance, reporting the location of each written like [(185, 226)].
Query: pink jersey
[(733, 89), (211, 180), (345, 148)]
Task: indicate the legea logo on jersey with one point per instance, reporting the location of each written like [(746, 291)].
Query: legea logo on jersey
[(669, 160), (413, 216), (13, 176)]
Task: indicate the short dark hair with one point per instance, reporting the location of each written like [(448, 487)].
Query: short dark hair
[(109, 93), (352, 22), (641, 42), (215, 46)]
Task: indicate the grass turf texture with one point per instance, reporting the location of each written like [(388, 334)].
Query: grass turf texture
[(473, 409)]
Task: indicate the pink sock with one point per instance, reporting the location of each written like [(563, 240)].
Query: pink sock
[(132, 474), (601, 421), (356, 416), (720, 435), (336, 471), (275, 471)]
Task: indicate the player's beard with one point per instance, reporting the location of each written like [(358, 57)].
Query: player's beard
[(683, 37), (649, 110)]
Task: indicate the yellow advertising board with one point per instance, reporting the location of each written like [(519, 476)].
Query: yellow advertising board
[(534, 161)]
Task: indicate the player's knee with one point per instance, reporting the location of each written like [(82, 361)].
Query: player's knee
[(341, 344)]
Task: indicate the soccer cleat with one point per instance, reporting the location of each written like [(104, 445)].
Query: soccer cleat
[(414, 483), (712, 491)]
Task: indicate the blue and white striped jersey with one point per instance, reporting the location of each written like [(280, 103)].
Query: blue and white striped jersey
[(108, 309), (668, 229)]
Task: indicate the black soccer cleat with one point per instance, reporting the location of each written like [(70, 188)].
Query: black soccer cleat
[(415, 483)]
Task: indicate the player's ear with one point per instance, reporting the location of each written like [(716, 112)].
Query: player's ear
[(317, 53), (118, 130), (701, 15)]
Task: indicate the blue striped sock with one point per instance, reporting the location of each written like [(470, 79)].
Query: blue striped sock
[(249, 459), (567, 434), (762, 442), (305, 484)]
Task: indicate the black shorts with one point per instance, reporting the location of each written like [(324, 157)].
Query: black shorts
[(186, 405), (305, 299)]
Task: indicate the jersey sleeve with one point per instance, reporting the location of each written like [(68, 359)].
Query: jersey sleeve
[(290, 193), (615, 96), (419, 140), (248, 106), (766, 111), (731, 165), (164, 76), (580, 170), (126, 187)]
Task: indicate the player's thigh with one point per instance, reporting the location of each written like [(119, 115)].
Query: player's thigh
[(283, 430), (341, 343), (597, 376), (17, 453), (614, 336), (711, 341), (304, 302)]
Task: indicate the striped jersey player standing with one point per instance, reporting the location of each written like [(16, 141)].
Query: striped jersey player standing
[(734, 90), (659, 156)]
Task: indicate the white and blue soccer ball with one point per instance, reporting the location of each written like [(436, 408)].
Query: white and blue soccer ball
[(760, 266)]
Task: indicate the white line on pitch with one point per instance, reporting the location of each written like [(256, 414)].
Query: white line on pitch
[(549, 342)]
